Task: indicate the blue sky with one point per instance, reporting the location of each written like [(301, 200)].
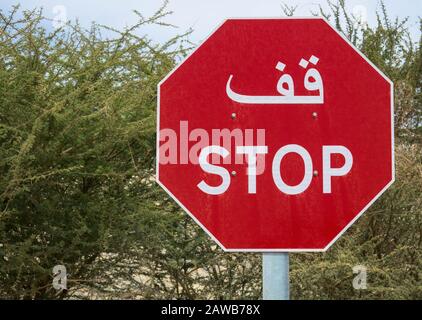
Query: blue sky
[(202, 15)]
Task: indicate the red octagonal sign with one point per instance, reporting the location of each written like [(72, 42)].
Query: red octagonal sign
[(275, 134)]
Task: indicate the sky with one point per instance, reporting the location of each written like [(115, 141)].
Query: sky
[(202, 15)]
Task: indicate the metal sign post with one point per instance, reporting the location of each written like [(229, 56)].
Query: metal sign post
[(275, 276)]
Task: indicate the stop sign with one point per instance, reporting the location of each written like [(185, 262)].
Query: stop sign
[(275, 134)]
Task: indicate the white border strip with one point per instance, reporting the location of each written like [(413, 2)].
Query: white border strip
[(157, 177)]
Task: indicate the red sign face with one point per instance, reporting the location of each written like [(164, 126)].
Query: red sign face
[(275, 134)]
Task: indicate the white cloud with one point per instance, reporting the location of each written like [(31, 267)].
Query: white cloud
[(203, 15)]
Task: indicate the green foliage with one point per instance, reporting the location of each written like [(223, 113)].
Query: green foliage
[(77, 137), (77, 155), (390, 47), (387, 240)]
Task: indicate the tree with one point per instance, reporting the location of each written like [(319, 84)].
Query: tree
[(77, 137), (77, 159), (387, 240)]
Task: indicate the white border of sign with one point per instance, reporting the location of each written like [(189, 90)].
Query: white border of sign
[(157, 177)]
